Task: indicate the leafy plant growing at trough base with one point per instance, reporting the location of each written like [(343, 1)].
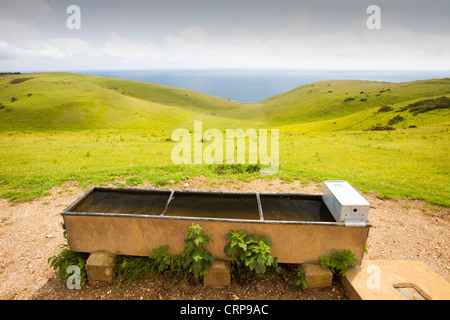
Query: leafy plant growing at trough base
[(196, 258), (161, 259), (65, 258), (339, 262), (301, 281), (249, 253)]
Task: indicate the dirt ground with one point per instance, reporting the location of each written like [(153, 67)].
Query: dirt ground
[(31, 232)]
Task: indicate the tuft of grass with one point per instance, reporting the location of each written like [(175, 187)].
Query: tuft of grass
[(134, 181), (129, 269)]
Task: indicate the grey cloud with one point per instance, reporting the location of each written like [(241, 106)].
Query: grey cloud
[(258, 33)]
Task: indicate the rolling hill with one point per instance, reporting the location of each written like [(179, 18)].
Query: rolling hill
[(63, 101), (328, 100), (72, 102)]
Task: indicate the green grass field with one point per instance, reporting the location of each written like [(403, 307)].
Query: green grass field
[(57, 127)]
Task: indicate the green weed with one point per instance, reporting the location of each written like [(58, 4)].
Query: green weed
[(338, 262), (249, 254), (301, 281), (64, 258), (196, 258)]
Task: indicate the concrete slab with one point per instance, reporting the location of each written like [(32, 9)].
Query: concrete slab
[(395, 280)]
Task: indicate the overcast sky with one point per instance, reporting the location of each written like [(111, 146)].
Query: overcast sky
[(138, 34)]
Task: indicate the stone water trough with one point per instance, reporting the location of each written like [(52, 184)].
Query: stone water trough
[(302, 227)]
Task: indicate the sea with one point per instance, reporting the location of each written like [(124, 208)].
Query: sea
[(254, 85)]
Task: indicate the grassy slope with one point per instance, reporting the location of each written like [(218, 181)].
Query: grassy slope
[(364, 120), (410, 163), (314, 102), (94, 129), (62, 101)]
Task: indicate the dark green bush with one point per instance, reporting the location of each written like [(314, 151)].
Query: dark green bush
[(379, 127), (385, 109), (427, 105), (396, 120), (19, 80)]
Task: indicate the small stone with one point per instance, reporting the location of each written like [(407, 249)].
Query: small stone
[(316, 276), (218, 275), (100, 265)]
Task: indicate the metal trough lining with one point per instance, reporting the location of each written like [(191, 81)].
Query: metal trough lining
[(67, 211), (79, 200)]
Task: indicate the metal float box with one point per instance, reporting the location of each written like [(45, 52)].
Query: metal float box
[(345, 203)]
